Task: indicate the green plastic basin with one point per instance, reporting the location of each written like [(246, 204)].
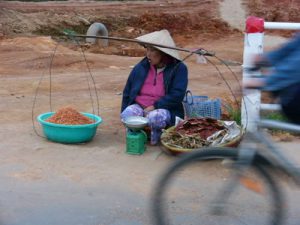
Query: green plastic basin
[(69, 134)]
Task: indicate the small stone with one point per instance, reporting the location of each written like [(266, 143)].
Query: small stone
[(130, 30), (114, 67)]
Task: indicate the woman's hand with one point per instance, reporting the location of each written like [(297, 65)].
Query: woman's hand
[(149, 109)]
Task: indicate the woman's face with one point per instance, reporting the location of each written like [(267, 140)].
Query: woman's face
[(154, 56)]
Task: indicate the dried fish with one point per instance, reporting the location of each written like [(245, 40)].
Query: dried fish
[(204, 127), (193, 133), (175, 139)]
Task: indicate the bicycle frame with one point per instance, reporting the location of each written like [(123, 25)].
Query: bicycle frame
[(248, 152), (273, 152)]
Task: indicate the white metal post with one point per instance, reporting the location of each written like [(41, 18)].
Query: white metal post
[(253, 45)]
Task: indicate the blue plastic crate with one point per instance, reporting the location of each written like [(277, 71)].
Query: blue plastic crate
[(201, 106)]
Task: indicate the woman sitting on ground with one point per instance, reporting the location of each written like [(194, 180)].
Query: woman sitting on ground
[(156, 86)]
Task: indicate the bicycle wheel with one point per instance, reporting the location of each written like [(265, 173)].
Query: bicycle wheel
[(185, 192)]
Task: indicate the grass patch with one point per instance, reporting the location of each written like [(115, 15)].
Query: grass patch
[(281, 134), (233, 113), (275, 116)]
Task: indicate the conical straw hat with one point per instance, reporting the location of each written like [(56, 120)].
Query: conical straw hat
[(161, 37)]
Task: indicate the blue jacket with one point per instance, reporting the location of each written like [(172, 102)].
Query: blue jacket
[(286, 66), (175, 82)]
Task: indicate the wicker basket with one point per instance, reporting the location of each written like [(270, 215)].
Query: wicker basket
[(175, 151)]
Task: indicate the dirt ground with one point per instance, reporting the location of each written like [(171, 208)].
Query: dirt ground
[(110, 71), (32, 53), (30, 40), (28, 60)]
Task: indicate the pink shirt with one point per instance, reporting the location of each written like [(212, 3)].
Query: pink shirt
[(153, 88)]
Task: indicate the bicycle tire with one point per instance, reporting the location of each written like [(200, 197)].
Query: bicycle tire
[(157, 201)]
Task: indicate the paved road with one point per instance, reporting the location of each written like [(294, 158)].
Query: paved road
[(44, 183)]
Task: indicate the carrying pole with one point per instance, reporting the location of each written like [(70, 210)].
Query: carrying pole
[(199, 51)]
